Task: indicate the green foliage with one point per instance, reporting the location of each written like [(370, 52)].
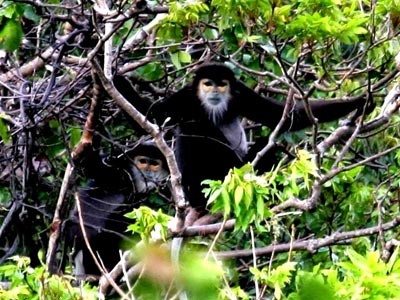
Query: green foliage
[(150, 71), (362, 277), (181, 15), (4, 130), (187, 11), (305, 20), (27, 282), (197, 276), (201, 278), (75, 134), (242, 195), (298, 176), (245, 11), (319, 20), (179, 58), (311, 285), (391, 7), (5, 196), (359, 277), (233, 293), (369, 276), (276, 278), (149, 224), (247, 197), (11, 32)]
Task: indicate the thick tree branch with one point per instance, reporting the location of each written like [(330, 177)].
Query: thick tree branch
[(311, 245), (79, 151)]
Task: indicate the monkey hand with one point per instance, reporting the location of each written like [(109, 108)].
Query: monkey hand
[(365, 108), (391, 104), (175, 226)]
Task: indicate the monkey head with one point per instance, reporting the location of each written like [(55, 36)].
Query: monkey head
[(214, 71), (149, 167), (213, 84)]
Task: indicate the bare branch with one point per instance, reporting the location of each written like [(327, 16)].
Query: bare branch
[(311, 245)]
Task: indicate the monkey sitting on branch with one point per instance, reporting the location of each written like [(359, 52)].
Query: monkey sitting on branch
[(116, 187), (206, 118)]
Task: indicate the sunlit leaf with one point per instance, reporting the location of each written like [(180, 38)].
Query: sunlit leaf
[(10, 35), (4, 131)]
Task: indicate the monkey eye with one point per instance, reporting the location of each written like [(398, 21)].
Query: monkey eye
[(222, 83), (154, 162), (143, 160), (208, 83)]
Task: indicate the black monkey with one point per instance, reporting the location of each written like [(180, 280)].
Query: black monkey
[(210, 138), (116, 186)]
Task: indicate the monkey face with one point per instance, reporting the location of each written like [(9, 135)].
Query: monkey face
[(210, 86), (146, 164), (214, 96), (148, 173)]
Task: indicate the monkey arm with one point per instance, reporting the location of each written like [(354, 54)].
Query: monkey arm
[(91, 164), (176, 107), (100, 168), (269, 111), (325, 111), (125, 87)]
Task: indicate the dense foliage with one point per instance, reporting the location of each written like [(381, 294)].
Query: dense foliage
[(322, 224)]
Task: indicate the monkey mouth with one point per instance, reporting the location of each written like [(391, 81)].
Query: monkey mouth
[(214, 100)]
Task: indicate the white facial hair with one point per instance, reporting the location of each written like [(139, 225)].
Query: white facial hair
[(215, 111)]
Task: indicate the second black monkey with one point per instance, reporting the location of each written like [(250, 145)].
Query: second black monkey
[(116, 186)]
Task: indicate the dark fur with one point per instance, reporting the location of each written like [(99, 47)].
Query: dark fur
[(202, 151), (109, 194)]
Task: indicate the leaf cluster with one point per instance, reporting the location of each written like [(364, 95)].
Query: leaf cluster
[(149, 224), (27, 282), (241, 195)]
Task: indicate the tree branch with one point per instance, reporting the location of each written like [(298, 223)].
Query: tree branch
[(311, 245)]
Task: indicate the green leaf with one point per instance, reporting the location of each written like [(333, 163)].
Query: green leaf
[(8, 11), (75, 136), (253, 38), (392, 260), (260, 207), (150, 71), (360, 30), (312, 287), (4, 132), (30, 14), (175, 60), (185, 57), (239, 191), (11, 35), (214, 196), (226, 199), (248, 191)]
